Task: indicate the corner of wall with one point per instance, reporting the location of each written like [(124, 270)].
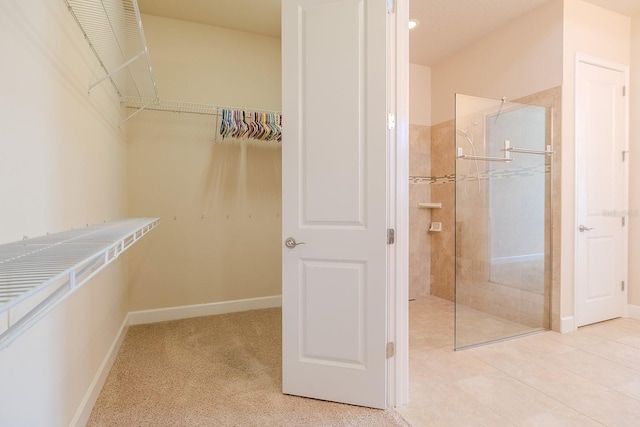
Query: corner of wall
[(83, 412), (420, 98), (634, 172)]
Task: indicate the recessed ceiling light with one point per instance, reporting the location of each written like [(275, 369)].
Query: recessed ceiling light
[(413, 23)]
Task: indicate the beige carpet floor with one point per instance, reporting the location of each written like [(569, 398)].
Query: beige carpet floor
[(214, 371)]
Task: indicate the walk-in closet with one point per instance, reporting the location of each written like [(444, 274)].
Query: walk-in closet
[(134, 115), (143, 192)]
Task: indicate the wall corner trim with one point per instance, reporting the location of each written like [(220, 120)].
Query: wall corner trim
[(633, 311), (83, 412), (567, 324), (197, 310)]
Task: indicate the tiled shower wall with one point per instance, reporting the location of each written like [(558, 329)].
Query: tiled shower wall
[(442, 191), (440, 187), (419, 219)]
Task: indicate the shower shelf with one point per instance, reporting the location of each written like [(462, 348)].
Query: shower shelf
[(39, 273), (430, 205)]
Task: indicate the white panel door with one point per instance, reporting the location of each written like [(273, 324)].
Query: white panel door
[(601, 185), (334, 155)]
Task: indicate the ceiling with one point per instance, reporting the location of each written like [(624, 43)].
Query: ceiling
[(446, 26)]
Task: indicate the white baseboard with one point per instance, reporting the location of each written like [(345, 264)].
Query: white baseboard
[(197, 310), (84, 410), (567, 324), (633, 311)]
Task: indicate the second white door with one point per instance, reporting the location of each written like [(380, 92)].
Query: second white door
[(601, 141)]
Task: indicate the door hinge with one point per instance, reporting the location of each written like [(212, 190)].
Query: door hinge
[(391, 121), (624, 91), (624, 155), (622, 287), (391, 236), (623, 221), (391, 350), (389, 6)]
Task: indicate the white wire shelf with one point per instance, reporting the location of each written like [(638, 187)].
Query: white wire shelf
[(183, 107), (266, 129), (37, 274), (113, 29)]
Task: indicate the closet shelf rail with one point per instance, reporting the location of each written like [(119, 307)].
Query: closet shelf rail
[(184, 107), (38, 274), (232, 122), (113, 30)]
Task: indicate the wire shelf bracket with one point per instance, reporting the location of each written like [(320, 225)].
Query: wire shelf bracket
[(38, 274), (113, 30)]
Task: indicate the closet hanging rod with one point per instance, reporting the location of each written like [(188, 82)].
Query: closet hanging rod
[(184, 107)]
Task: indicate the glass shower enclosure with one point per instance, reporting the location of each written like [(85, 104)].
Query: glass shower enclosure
[(503, 208)]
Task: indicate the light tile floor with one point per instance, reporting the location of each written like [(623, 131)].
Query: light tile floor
[(475, 326), (590, 377)]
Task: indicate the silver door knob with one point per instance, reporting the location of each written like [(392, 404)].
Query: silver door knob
[(291, 243), (582, 228)]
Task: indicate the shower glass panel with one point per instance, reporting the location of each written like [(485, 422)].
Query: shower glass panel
[(503, 221)]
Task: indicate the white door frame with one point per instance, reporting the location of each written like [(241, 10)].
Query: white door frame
[(398, 182), (604, 63)]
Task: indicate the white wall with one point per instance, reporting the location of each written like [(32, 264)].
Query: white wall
[(62, 165), (519, 59), (634, 170), (419, 95), (213, 65), (220, 203), (600, 33)]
